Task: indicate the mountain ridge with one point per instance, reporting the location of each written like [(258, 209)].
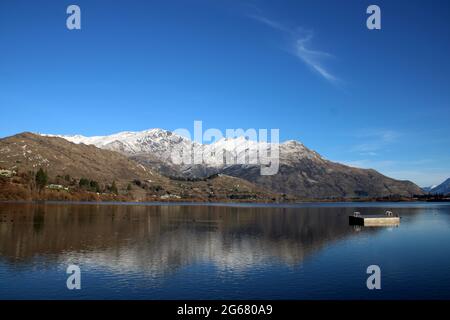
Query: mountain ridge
[(302, 172), (443, 188)]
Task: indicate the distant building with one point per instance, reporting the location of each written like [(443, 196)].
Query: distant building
[(57, 187), (7, 173), (170, 196)]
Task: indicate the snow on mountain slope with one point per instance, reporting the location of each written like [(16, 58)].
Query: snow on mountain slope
[(156, 141), (443, 188), (300, 171), (161, 144)]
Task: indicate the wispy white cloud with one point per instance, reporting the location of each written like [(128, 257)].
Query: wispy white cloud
[(404, 170), (270, 23), (369, 163), (384, 134), (301, 44), (312, 58), (375, 141), (423, 178)]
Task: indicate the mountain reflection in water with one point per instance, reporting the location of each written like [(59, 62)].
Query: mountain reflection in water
[(235, 252), (159, 239)]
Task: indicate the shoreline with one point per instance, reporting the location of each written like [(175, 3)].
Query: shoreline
[(306, 204), (14, 192)]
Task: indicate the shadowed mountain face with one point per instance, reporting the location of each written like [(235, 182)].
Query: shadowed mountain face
[(443, 188), (303, 172), (309, 179), (161, 239)]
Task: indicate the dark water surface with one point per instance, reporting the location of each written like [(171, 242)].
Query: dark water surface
[(222, 252)]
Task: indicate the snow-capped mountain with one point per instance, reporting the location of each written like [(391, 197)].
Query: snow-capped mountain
[(67, 164), (163, 145), (443, 188), (155, 141), (300, 171), (428, 189)]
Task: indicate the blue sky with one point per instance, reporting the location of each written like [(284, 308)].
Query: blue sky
[(377, 99)]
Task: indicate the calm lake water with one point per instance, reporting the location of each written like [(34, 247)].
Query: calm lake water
[(222, 252)]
